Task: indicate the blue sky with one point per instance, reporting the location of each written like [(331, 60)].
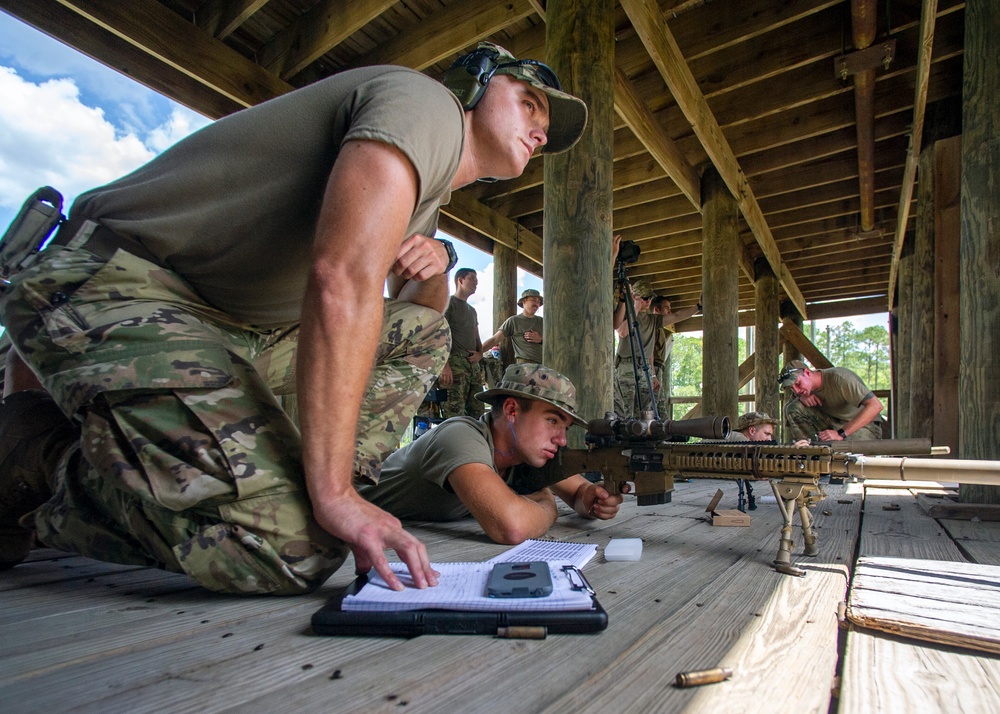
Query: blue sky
[(70, 122)]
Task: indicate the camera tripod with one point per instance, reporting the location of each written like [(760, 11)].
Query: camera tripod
[(638, 352)]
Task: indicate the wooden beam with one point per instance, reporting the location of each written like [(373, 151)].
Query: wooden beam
[(928, 16), (648, 22), (449, 30), (165, 35), (634, 112), (220, 18), (472, 213), (316, 32), (111, 50), (791, 332)]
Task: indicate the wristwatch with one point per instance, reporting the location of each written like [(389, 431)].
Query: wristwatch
[(843, 434), (452, 255)]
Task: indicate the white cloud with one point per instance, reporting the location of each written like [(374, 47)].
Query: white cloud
[(482, 300), (49, 137), (180, 123)]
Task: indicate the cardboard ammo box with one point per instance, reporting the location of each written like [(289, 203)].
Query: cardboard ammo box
[(728, 516)]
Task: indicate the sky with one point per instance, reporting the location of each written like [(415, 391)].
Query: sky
[(69, 122)]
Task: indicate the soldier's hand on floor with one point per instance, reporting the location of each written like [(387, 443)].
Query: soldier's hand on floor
[(369, 531)]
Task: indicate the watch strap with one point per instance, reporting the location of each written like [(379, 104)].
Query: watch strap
[(452, 255)]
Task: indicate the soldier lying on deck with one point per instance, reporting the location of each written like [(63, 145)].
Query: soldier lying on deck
[(484, 467)]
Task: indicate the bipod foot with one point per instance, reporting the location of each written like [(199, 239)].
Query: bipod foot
[(789, 569)]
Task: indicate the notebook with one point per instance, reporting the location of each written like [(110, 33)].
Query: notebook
[(331, 619)]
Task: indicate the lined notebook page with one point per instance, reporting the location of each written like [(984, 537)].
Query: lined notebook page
[(462, 586), (579, 554)]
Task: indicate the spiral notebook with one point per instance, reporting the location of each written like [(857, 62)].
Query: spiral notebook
[(459, 604)]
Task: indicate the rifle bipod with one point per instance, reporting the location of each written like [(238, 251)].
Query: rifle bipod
[(791, 493)]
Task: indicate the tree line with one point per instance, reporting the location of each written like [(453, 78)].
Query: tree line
[(864, 351)]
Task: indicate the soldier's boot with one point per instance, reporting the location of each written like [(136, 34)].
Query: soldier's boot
[(34, 434)]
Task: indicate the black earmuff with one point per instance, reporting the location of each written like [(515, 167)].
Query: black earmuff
[(469, 75)]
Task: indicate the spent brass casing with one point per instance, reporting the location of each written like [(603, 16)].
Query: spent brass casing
[(703, 676), (522, 632)]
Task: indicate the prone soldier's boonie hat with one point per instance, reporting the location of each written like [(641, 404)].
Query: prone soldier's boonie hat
[(754, 419), (537, 382), (791, 372), (530, 293)]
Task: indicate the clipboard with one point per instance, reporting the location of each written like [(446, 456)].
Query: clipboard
[(332, 620)]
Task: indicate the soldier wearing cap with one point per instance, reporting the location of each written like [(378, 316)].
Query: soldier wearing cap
[(486, 467), (627, 403), (660, 305), (752, 426), (829, 404), (756, 426), (523, 330), (246, 262)]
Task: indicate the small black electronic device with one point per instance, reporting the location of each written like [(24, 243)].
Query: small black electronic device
[(520, 580)]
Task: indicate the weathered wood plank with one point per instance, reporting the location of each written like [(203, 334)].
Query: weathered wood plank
[(902, 533), (889, 674)]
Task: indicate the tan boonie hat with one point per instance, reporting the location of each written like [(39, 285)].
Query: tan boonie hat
[(530, 293), (642, 288), (567, 114), (537, 382), (791, 372), (754, 419)]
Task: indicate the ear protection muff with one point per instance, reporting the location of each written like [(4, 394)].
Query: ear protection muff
[(468, 76)]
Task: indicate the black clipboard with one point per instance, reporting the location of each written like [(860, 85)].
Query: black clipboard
[(331, 619)]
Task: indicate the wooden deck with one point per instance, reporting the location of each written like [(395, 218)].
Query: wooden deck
[(76, 634)]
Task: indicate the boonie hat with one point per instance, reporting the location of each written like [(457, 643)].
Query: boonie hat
[(537, 382), (642, 288), (791, 372), (530, 293), (754, 419), (567, 114)]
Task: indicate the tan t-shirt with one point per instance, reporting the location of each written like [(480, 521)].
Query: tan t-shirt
[(464, 325), (514, 328), (414, 481), (649, 325), (842, 394), (233, 207)]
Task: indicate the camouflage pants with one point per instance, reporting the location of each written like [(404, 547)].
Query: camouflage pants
[(625, 403), (663, 374), (186, 461), (467, 381), (806, 422)]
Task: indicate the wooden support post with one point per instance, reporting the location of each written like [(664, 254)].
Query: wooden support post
[(979, 377), (720, 291), (921, 376), (578, 338), (504, 294), (903, 344), (790, 315), (768, 397), (947, 337)]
